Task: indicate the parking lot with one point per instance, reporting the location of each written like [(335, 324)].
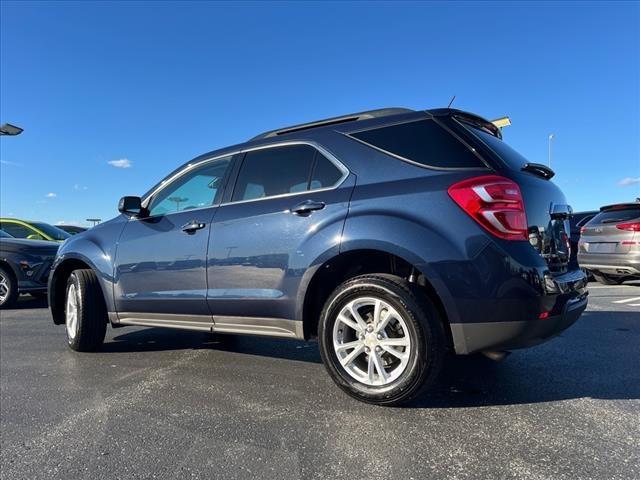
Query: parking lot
[(169, 404)]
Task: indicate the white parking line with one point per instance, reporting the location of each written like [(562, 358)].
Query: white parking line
[(590, 287), (626, 300)]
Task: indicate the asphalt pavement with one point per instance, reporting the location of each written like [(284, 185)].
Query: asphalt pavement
[(160, 403)]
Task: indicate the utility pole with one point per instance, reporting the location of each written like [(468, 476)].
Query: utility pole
[(551, 137)]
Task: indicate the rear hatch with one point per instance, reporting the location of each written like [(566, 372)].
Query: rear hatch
[(545, 205), (612, 231)]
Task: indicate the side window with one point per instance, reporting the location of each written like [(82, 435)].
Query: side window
[(274, 171), (16, 230), (325, 173), (199, 188), (424, 142)]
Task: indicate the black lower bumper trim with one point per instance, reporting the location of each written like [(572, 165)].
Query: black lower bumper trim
[(474, 337)]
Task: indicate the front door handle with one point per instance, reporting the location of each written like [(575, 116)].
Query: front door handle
[(306, 207), (192, 226)]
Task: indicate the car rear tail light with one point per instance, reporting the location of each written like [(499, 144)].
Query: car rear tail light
[(630, 226), (583, 229), (495, 203)]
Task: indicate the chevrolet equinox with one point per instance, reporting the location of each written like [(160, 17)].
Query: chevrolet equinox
[(392, 236)]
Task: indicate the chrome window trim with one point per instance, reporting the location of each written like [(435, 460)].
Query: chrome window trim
[(484, 165), (339, 165)]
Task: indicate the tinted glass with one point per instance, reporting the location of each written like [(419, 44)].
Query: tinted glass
[(274, 171), (196, 189), (54, 232), (615, 216), (325, 173), (4, 234), (508, 155), (424, 142), (16, 230)]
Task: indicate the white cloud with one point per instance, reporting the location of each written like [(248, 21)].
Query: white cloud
[(51, 195), (77, 186), (625, 182), (121, 163), (7, 162)]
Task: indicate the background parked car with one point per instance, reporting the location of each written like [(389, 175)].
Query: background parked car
[(71, 229), (609, 244), (24, 267), (32, 230), (578, 220)]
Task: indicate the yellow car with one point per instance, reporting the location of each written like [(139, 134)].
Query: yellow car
[(32, 230)]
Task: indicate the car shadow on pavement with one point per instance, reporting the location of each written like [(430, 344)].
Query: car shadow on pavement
[(27, 301), (598, 358)]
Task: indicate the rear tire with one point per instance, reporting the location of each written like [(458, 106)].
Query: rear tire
[(8, 288), (85, 312), (607, 279), (381, 339)]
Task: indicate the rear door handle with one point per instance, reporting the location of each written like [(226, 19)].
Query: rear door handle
[(192, 226), (306, 207)]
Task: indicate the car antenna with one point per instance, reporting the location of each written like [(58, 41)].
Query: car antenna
[(452, 99)]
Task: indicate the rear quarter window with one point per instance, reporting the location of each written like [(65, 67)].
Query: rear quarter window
[(424, 142)]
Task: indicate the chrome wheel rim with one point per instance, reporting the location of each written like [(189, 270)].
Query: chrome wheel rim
[(4, 288), (371, 341), (72, 312)]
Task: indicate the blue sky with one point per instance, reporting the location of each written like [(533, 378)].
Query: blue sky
[(101, 86)]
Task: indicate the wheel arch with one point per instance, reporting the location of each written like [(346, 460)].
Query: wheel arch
[(58, 283), (351, 263)]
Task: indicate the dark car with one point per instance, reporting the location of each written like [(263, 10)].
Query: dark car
[(609, 245), (393, 236), (577, 220), (71, 229), (24, 267)]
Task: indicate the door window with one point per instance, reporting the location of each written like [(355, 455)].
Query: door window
[(325, 173), (16, 230), (282, 170), (199, 188)]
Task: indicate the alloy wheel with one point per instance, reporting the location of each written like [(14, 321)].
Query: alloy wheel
[(72, 312), (371, 341)]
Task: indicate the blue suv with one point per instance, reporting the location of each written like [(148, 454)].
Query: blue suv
[(392, 236)]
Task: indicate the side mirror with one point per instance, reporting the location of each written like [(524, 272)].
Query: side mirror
[(131, 206)]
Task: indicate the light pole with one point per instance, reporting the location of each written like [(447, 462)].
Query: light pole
[(551, 137), (8, 129)]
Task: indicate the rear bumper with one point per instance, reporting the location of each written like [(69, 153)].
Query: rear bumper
[(611, 263), (474, 337)]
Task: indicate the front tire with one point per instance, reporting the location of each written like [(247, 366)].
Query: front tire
[(8, 288), (85, 312), (381, 339)]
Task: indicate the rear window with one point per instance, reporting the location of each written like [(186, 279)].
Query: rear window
[(424, 142), (615, 216), (508, 155)]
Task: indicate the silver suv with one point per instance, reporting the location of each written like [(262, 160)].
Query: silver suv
[(609, 245)]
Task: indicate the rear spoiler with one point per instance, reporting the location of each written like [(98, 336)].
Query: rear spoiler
[(621, 206), (470, 118)]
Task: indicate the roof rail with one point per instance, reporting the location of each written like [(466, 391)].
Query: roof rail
[(353, 117)]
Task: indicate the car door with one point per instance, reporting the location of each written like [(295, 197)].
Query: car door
[(160, 267), (288, 206)]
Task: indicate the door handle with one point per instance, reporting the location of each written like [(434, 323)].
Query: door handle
[(192, 226), (306, 207)]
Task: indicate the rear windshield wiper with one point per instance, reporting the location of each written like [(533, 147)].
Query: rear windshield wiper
[(538, 169)]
